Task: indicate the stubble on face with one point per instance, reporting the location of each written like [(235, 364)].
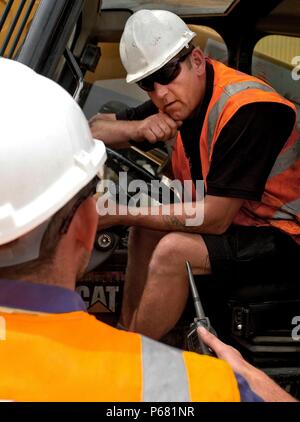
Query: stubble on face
[(182, 96)]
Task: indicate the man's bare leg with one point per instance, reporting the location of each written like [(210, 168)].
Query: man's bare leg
[(167, 288), (142, 243)]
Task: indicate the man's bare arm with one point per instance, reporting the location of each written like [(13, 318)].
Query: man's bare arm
[(258, 381), (117, 133), (218, 215)]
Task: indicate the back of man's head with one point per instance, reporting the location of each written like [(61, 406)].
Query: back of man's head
[(47, 156)]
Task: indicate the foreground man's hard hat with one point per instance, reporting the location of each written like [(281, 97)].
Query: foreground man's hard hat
[(150, 39), (47, 153)]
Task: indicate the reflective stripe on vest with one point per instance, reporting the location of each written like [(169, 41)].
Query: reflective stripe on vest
[(283, 162), (74, 357), (286, 159), (218, 107), (288, 211), (280, 202), (164, 373)]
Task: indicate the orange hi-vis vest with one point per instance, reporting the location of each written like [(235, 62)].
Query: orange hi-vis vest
[(280, 203), (74, 357)]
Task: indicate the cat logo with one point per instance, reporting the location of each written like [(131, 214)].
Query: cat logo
[(99, 298)]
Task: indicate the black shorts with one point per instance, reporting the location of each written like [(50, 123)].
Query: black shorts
[(253, 255)]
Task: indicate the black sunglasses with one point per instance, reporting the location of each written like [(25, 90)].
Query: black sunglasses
[(166, 74)]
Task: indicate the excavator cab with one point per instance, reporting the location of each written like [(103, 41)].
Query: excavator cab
[(76, 44)]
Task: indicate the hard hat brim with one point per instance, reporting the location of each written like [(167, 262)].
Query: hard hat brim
[(132, 78)]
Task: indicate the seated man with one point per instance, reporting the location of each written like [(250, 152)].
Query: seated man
[(234, 132), (50, 348)]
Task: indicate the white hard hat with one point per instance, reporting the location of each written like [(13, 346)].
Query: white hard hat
[(47, 153), (150, 39)]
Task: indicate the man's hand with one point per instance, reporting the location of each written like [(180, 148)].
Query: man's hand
[(159, 127), (118, 133), (223, 351), (102, 116), (258, 381)]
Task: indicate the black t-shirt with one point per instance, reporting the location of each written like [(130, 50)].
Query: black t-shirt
[(245, 150)]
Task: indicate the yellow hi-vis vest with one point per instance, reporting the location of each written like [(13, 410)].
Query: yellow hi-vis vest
[(74, 357), (280, 203)]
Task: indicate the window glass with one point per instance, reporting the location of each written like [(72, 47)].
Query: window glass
[(210, 42), (15, 21), (276, 60), (182, 7)]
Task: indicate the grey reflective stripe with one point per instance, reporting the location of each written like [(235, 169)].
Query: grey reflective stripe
[(229, 91), (285, 160), (287, 211), (164, 373), (281, 215)]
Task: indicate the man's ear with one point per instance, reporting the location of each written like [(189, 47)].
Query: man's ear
[(198, 61), (84, 224)]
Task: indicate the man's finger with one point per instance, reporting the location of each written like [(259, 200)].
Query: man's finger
[(210, 340), (150, 136), (158, 131), (94, 119), (168, 120)]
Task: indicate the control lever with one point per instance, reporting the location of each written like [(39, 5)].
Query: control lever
[(194, 342)]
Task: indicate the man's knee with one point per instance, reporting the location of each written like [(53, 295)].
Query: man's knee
[(174, 249), (138, 235)]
